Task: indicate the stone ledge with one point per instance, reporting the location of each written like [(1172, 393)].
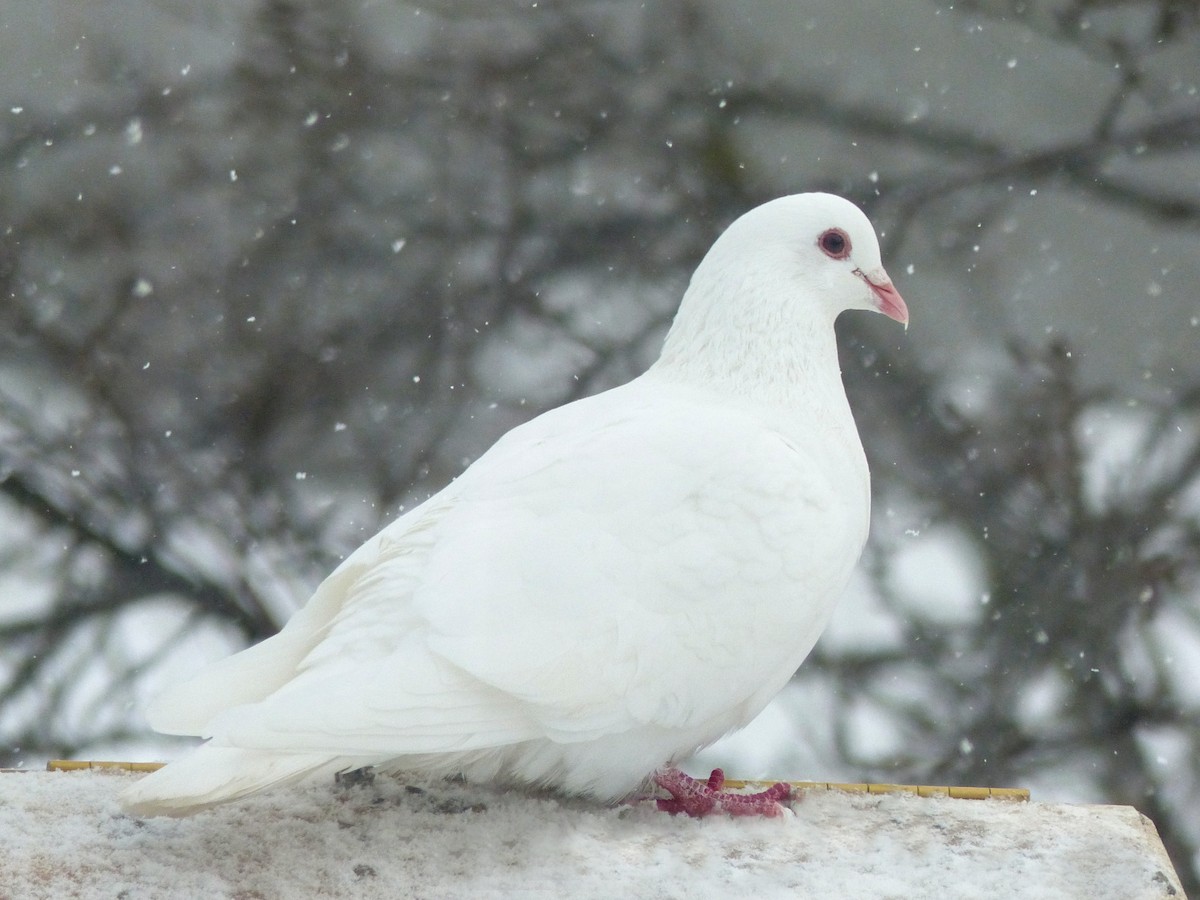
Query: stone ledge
[(65, 836)]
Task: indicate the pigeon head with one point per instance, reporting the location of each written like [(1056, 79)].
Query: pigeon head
[(849, 258), (768, 290), (817, 248)]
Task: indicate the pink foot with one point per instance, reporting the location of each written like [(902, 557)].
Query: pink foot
[(699, 798)]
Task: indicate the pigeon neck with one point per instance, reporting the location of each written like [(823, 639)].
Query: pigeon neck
[(789, 359)]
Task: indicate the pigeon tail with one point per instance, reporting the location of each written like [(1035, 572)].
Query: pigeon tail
[(212, 775)]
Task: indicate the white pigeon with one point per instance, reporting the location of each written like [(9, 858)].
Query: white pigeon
[(612, 586)]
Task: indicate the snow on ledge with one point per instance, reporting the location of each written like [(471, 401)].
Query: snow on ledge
[(64, 836)]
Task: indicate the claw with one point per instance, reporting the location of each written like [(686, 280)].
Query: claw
[(699, 798)]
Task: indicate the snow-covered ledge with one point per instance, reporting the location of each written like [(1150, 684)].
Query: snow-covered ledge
[(64, 836)]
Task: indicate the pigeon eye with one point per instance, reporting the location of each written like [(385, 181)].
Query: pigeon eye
[(834, 243)]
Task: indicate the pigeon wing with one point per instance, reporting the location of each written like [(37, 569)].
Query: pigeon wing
[(631, 560)]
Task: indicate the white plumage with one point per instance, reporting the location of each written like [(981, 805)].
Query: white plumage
[(612, 586)]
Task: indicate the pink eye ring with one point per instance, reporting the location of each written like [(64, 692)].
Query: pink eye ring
[(834, 243)]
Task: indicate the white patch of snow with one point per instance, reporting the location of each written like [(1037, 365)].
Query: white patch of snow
[(66, 837)]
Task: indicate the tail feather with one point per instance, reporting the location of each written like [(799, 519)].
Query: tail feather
[(211, 775)]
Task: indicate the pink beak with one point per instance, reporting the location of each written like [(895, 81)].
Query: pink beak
[(887, 298)]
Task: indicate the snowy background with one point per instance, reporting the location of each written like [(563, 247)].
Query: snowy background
[(273, 271)]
